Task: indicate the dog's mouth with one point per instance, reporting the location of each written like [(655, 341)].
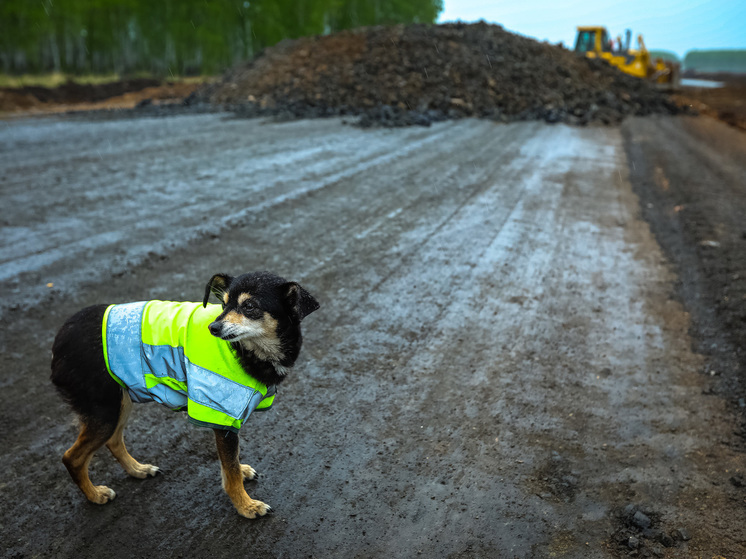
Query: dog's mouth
[(228, 336), (232, 333), (232, 337)]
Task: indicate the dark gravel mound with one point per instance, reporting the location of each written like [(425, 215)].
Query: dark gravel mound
[(417, 74)]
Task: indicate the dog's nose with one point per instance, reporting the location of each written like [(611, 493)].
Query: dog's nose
[(214, 328)]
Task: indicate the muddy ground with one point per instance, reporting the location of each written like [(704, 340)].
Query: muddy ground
[(74, 97), (727, 103), (509, 361)]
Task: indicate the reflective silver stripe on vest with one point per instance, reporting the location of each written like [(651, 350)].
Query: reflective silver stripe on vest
[(221, 394), (123, 345)]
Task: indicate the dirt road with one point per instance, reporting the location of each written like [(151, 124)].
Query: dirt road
[(501, 366)]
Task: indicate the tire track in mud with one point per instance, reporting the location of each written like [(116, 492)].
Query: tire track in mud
[(179, 217), (181, 224), (351, 211), (690, 175), (417, 365)]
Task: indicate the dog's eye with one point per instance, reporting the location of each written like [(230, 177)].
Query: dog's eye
[(251, 310)]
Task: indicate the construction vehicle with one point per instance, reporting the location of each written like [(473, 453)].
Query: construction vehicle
[(594, 42)]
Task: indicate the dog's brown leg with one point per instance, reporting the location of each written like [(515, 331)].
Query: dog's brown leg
[(233, 474), (92, 436), (116, 445)]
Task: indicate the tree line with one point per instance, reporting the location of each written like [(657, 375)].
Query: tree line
[(180, 37), (732, 61)]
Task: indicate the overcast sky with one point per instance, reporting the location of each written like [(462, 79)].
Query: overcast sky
[(678, 26)]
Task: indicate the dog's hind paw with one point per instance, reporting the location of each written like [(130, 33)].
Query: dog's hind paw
[(248, 472), (101, 495)]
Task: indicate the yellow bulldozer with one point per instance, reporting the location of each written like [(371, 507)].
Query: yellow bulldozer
[(594, 42)]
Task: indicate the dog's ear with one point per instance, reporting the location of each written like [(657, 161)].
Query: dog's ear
[(298, 299), (217, 285)]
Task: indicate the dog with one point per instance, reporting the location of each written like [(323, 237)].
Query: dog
[(216, 362)]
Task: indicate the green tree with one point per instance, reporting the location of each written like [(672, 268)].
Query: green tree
[(175, 36)]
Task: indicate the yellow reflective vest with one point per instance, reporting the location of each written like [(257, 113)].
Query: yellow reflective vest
[(162, 351)]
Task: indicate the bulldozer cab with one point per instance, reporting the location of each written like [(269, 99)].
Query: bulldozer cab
[(592, 39)]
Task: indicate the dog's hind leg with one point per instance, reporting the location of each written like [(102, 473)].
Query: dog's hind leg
[(93, 434), (116, 445), (233, 474)]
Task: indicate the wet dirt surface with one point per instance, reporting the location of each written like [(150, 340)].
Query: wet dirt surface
[(726, 103), (504, 363), (70, 97)]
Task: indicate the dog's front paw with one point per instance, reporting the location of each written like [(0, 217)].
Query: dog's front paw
[(254, 509), (142, 471), (248, 472), (101, 495)]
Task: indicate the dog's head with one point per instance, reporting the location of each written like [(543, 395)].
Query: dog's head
[(262, 313)]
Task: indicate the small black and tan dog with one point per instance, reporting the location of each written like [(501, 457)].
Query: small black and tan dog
[(217, 364)]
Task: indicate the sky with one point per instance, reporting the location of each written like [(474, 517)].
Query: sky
[(677, 26)]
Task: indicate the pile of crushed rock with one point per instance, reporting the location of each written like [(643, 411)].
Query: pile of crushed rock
[(418, 74)]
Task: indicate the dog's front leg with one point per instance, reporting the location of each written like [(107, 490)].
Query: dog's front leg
[(233, 476)]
